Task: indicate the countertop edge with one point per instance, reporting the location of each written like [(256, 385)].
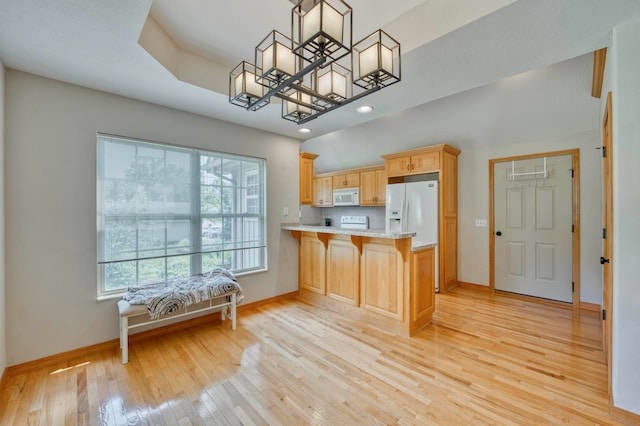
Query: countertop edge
[(372, 233)]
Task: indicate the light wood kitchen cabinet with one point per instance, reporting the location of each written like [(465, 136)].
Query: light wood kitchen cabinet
[(312, 263), (379, 274), (347, 180), (442, 159), (382, 279), (323, 191), (343, 270), (306, 177), (373, 185), (422, 283), (428, 162)]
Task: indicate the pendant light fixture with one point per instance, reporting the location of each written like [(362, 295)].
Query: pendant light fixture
[(318, 69)]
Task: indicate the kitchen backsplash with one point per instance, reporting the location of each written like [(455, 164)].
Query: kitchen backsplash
[(315, 215)]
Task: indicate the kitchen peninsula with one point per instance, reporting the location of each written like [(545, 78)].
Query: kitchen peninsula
[(371, 269)]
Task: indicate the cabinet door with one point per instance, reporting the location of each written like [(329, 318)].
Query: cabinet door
[(306, 181), (318, 191), (343, 271), (382, 279), (368, 188), (327, 188), (339, 181), (381, 187), (423, 292), (373, 186), (352, 180), (398, 166), (425, 163), (312, 264), (322, 192)]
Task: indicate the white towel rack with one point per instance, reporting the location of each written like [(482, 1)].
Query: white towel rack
[(535, 175)]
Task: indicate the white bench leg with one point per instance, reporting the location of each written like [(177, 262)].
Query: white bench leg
[(233, 311), (124, 339)]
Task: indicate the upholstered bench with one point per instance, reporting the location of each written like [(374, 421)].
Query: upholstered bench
[(177, 298)]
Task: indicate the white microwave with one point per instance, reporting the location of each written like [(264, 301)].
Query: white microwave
[(346, 197)]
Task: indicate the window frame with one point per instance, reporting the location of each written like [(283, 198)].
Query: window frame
[(195, 217)]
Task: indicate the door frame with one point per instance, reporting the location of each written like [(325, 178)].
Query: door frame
[(607, 219), (575, 153)]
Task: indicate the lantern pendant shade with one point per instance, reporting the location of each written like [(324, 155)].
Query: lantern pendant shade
[(322, 28), (298, 105), (376, 61), (322, 18), (243, 88), (333, 82), (276, 59)]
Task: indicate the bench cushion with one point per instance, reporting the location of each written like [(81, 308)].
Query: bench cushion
[(126, 309)]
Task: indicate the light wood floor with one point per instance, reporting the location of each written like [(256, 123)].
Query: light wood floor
[(488, 359)]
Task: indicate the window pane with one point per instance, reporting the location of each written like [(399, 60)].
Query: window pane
[(151, 271), (120, 238), (210, 200), (210, 170), (211, 232), (120, 275), (228, 200), (230, 172), (178, 267), (216, 260), (157, 215), (178, 236)]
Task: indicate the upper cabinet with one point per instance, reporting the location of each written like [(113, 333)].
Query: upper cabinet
[(347, 180), (419, 163), (306, 177), (323, 191), (373, 184)]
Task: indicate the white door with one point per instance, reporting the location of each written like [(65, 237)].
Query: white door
[(533, 227)]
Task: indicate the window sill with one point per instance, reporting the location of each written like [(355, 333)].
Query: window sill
[(115, 296)]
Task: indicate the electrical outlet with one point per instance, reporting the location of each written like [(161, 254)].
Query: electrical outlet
[(285, 211), (481, 223)]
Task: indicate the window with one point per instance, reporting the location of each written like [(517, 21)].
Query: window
[(166, 212)]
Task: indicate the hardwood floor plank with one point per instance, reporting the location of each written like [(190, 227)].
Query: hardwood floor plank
[(487, 359)]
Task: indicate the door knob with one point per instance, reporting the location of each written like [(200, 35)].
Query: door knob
[(603, 260), (498, 233)]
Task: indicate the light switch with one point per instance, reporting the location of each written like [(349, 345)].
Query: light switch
[(481, 223), (285, 211)]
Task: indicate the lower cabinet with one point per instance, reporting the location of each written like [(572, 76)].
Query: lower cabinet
[(343, 270), (382, 279), (422, 288), (380, 275), (312, 264)]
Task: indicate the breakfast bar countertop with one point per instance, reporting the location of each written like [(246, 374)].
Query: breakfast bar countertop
[(371, 233)]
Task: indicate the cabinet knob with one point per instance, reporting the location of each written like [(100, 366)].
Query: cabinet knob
[(413, 166), (408, 167)]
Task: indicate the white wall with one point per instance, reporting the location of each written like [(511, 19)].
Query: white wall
[(3, 318), (51, 206), (623, 61), (473, 203)]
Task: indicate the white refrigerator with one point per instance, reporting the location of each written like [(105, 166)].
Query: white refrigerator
[(413, 207)]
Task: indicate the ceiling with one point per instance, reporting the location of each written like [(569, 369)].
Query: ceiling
[(470, 70)]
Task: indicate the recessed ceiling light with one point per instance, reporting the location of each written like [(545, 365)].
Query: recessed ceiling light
[(305, 130), (364, 109)]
